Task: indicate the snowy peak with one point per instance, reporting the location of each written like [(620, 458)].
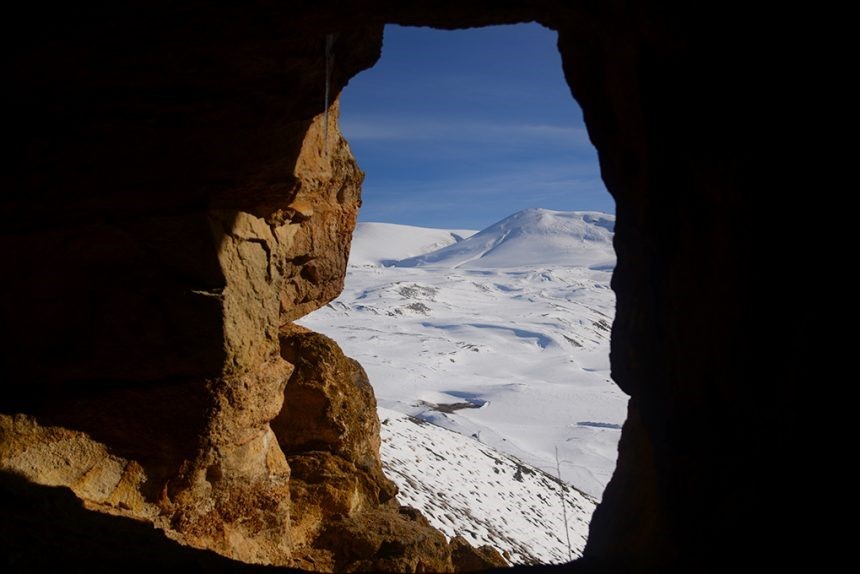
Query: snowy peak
[(529, 238), (539, 220)]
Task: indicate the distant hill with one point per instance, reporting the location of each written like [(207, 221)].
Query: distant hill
[(385, 243), (532, 237)]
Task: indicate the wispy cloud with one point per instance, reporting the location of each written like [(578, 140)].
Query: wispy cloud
[(427, 130)]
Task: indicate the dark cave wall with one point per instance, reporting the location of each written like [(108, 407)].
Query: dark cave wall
[(132, 126), (683, 105), (133, 122)]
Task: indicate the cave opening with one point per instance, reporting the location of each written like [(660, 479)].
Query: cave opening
[(170, 215), (487, 309)]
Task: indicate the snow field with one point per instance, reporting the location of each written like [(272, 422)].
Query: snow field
[(501, 336)]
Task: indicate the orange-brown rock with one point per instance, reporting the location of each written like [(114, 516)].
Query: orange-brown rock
[(329, 431), (467, 558), (289, 254), (197, 457), (281, 444), (386, 541), (345, 516), (329, 404)]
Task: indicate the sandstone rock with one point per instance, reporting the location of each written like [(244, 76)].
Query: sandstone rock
[(467, 558), (234, 496), (386, 541), (325, 206), (287, 247), (329, 404), (344, 512), (198, 457), (44, 528), (290, 252), (56, 456)]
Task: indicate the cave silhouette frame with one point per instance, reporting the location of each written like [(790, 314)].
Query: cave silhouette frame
[(680, 102)]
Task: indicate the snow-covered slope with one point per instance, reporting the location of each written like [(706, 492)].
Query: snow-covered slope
[(467, 488), (383, 243), (506, 345), (531, 237)]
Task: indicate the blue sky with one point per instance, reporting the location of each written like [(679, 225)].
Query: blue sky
[(458, 129)]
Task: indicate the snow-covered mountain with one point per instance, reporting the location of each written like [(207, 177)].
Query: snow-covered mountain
[(528, 238), (502, 337)]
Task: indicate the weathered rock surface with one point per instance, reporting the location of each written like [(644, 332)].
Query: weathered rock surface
[(386, 541), (467, 558), (204, 458), (330, 435), (328, 404), (43, 527), (169, 207)]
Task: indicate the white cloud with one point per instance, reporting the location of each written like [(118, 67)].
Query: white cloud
[(411, 130)]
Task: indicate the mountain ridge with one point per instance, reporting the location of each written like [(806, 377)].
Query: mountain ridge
[(574, 238)]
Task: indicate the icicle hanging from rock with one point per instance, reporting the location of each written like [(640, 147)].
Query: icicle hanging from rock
[(329, 61)]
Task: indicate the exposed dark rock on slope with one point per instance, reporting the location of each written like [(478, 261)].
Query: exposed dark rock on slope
[(171, 202)]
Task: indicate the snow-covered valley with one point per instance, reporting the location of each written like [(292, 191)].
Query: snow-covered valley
[(501, 336)]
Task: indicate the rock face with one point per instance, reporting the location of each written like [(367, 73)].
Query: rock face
[(284, 456), (173, 203), (274, 456), (385, 541), (329, 433), (226, 486), (467, 558)]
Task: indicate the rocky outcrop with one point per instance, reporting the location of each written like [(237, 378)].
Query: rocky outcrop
[(467, 558), (288, 254), (274, 460), (329, 431), (345, 516), (329, 406), (198, 457), (173, 201), (386, 541), (67, 531)]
